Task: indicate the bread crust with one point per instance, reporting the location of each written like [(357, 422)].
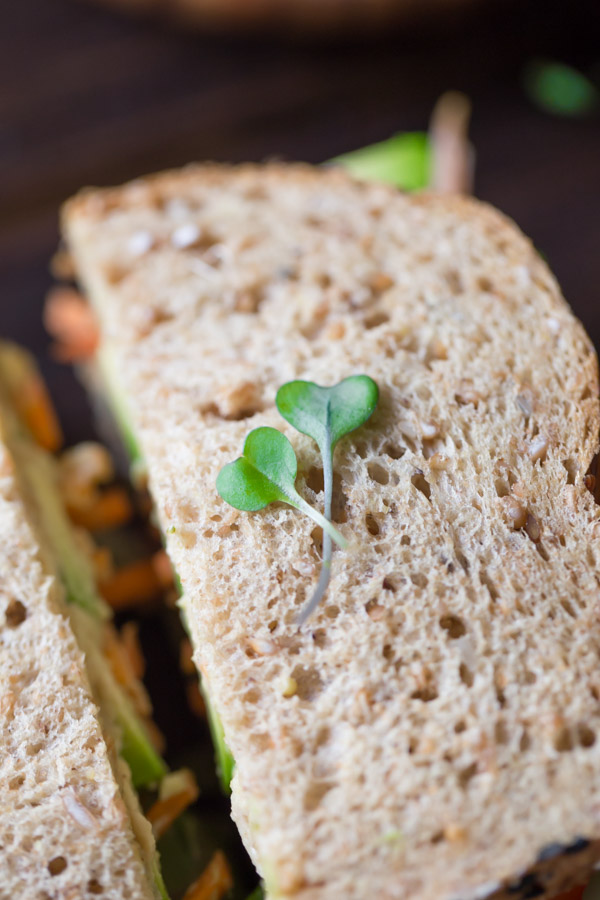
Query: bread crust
[(442, 731)]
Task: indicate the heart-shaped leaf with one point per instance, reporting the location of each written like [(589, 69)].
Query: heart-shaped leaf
[(328, 413), (265, 473)]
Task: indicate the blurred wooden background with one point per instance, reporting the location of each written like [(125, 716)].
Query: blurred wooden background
[(87, 97)]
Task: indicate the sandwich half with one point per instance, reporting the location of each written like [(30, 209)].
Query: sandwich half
[(432, 731), (71, 739)]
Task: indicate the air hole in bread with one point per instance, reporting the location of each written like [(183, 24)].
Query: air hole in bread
[(372, 524), (465, 674), (454, 625), (489, 584), (362, 449), (572, 468), (392, 583), (314, 479), (315, 793), (438, 837), (484, 284), (460, 727), (375, 319), (420, 482), (249, 299), (405, 540), (501, 735), (543, 552), (57, 865), (378, 473), (394, 451), (320, 637), (502, 488), (426, 694), (94, 886), (419, 580), (17, 782), (16, 613), (454, 282), (273, 625), (587, 737), (563, 741), (309, 682), (568, 607), (252, 696), (466, 774), (332, 611), (316, 537)]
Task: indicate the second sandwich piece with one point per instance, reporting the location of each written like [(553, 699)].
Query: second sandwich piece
[(431, 731)]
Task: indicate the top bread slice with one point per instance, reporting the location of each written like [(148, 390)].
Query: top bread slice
[(432, 731), (65, 830)]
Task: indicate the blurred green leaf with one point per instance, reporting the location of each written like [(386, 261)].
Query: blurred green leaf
[(403, 160), (559, 89)]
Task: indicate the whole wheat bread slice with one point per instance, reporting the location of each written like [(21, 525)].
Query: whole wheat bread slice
[(432, 732), (65, 830)]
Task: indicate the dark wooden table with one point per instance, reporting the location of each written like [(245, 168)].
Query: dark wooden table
[(89, 98)]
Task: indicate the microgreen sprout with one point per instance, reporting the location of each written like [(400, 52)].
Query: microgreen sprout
[(267, 473), (326, 414), (268, 468)]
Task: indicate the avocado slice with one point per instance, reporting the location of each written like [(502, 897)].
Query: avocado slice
[(224, 759)]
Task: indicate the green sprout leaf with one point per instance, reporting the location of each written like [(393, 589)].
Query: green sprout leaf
[(559, 89), (326, 414), (403, 160), (266, 473)]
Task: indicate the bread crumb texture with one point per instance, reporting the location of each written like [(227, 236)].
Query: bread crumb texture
[(64, 831), (432, 732)]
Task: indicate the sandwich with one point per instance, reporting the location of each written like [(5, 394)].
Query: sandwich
[(77, 740), (431, 729)]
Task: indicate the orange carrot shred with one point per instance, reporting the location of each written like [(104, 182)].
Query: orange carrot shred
[(133, 585), (164, 812), (195, 699), (109, 509), (214, 882), (130, 640), (163, 568), (70, 320), (35, 408)]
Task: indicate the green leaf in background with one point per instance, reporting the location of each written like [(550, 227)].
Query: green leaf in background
[(267, 473), (403, 160), (257, 894), (326, 414), (559, 89)]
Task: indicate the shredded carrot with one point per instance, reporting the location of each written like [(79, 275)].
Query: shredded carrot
[(167, 809), (70, 320), (195, 699), (109, 509), (133, 585), (130, 639), (163, 568), (121, 666), (103, 563), (214, 882), (35, 408)]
